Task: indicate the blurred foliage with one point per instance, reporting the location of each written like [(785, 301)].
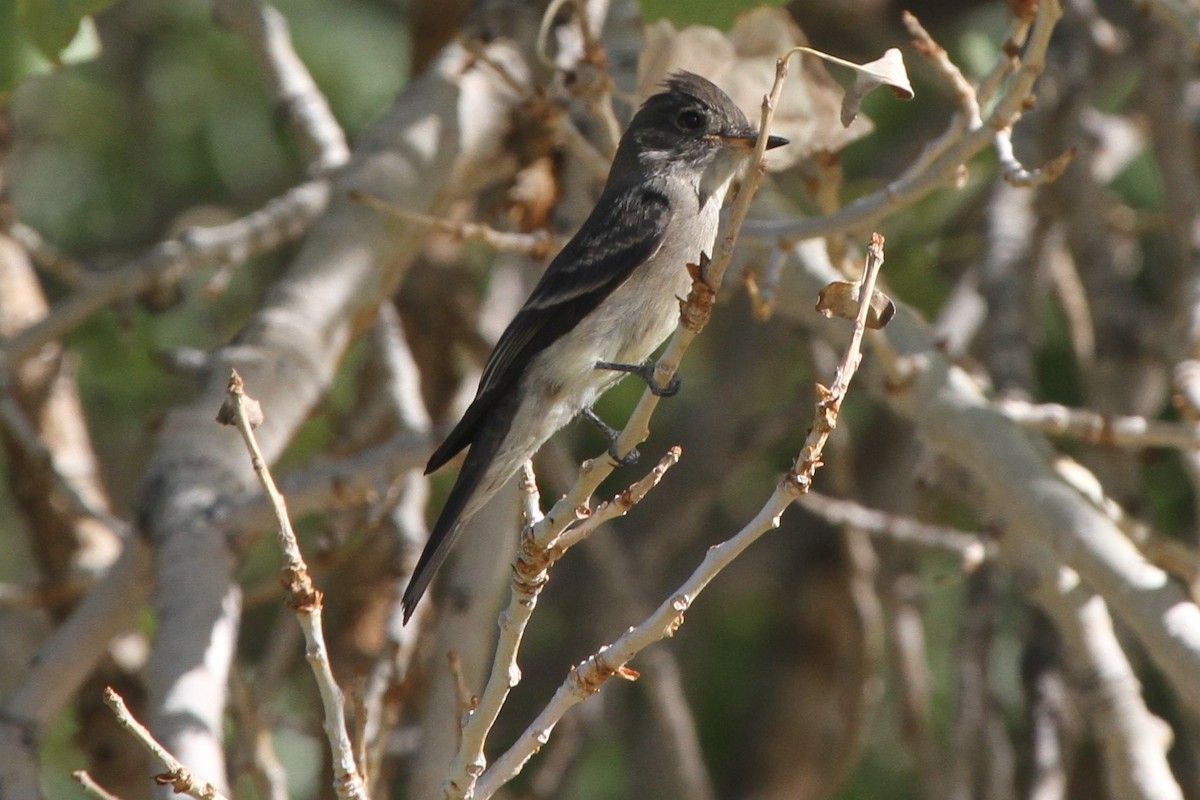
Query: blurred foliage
[(718, 13), (36, 35), (174, 114), (53, 25), (170, 126)]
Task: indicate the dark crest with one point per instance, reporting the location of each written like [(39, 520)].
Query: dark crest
[(690, 119), (706, 92)]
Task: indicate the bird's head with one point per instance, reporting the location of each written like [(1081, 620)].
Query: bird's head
[(692, 127)]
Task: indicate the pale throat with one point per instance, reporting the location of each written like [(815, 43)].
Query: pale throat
[(713, 183)]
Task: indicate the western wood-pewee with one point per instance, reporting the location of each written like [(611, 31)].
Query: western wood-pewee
[(605, 303)]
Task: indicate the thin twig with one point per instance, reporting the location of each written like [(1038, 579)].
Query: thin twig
[(47, 257), (971, 548), (1016, 173), (573, 139), (664, 682), (970, 115), (591, 79), (303, 597), (944, 161), (177, 776), (540, 548), (281, 220), (557, 119), (1096, 428), (535, 244), (315, 487), (85, 780), (307, 111), (24, 435), (937, 56), (619, 505), (541, 46)]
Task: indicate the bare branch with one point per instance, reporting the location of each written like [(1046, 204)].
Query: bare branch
[(937, 56), (537, 244), (559, 121), (1096, 428), (315, 487), (21, 431), (1021, 486), (281, 220), (303, 597), (950, 154), (292, 87), (970, 114), (1134, 741), (90, 786), (1017, 174), (48, 257), (971, 548), (541, 546), (177, 776), (69, 654)]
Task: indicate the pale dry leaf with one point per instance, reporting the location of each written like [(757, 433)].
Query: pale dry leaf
[(840, 299), (742, 63), (887, 70)]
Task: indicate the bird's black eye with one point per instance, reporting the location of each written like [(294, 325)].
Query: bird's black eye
[(690, 120)]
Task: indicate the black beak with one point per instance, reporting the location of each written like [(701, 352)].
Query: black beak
[(749, 138)]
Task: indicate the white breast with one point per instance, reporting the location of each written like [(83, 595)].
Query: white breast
[(626, 328)]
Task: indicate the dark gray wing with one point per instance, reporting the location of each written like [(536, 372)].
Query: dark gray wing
[(624, 230)]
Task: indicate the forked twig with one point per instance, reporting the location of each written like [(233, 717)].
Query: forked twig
[(177, 776), (304, 597)]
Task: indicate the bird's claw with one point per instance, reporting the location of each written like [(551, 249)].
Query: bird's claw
[(612, 434), (627, 460), (670, 390), (646, 373)]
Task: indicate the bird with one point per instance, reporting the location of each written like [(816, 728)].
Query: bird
[(605, 303)]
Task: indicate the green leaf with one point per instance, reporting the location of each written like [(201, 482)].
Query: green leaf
[(21, 56), (17, 56), (53, 25), (717, 13)]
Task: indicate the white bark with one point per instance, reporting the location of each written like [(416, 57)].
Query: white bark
[(442, 139)]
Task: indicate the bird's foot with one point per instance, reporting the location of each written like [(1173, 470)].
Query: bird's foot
[(612, 434), (646, 373)]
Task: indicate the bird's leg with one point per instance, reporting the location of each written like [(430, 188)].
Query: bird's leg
[(646, 373), (612, 435)]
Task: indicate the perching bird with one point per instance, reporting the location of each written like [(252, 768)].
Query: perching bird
[(605, 303)]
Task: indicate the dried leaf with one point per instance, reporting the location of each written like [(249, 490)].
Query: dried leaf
[(888, 70), (840, 299), (742, 63)]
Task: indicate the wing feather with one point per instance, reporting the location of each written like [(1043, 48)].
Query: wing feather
[(624, 230)]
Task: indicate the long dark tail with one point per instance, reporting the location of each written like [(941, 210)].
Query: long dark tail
[(489, 435)]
